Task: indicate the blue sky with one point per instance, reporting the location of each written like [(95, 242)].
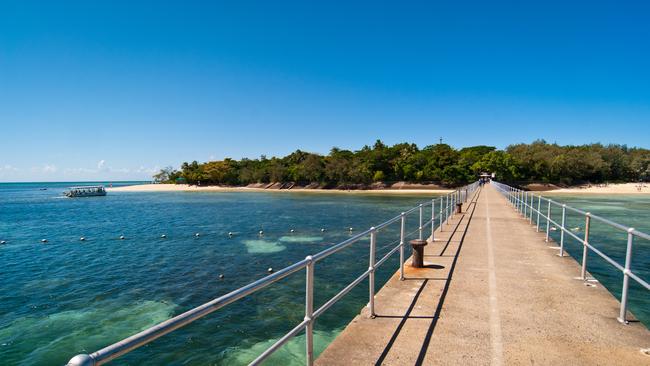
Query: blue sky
[(116, 89)]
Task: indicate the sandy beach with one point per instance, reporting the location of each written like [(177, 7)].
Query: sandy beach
[(189, 188), (619, 188)]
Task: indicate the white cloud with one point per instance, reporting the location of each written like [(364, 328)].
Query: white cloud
[(150, 171), (100, 164), (8, 168), (49, 168)]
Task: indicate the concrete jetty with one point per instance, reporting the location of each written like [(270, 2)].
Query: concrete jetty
[(492, 292)]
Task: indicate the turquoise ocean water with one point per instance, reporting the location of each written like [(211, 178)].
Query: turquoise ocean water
[(66, 296)]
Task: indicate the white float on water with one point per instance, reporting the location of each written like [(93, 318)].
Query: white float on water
[(350, 229), (322, 230), (221, 276), (82, 239), (163, 236), (3, 242), (122, 237), (292, 230), (230, 234), (270, 270), (261, 232), (43, 240), (197, 234)]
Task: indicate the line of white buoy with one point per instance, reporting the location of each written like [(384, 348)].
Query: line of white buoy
[(196, 235)]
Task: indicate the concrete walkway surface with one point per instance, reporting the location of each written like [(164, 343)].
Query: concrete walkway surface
[(492, 293)]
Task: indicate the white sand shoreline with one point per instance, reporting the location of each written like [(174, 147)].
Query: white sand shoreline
[(612, 189), (189, 188)]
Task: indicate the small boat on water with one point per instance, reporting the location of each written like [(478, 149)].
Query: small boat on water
[(86, 191)]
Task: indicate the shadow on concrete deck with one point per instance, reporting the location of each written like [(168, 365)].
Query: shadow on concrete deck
[(457, 230)]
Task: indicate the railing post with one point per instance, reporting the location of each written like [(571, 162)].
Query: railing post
[(433, 219), (539, 206), (516, 198), (526, 208), (626, 276), (532, 202), (402, 234), (440, 214), (447, 209), (371, 267), (515, 201), (452, 212), (562, 230), (583, 272), (421, 218), (525, 203), (548, 220), (309, 310)]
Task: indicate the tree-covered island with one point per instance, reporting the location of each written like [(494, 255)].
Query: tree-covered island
[(381, 165)]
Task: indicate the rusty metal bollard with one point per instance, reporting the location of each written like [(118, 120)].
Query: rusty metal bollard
[(459, 207), (418, 252)]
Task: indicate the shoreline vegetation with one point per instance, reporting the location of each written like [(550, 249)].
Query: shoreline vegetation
[(602, 189), (279, 187), (405, 167)]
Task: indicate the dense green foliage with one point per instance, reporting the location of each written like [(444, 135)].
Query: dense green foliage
[(536, 162)]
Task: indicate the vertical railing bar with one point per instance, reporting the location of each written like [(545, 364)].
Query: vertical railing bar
[(548, 221), (447, 209), (517, 200), (525, 203), (562, 230), (626, 277), (452, 212), (371, 268), (421, 218), (309, 311), (440, 214), (585, 249), (433, 219), (402, 233), (532, 202), (539, 206)]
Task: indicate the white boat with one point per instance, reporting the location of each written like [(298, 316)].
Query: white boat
[(86, 191)]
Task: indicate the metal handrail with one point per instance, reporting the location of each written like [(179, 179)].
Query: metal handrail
[(524, 202), (446, 204)]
